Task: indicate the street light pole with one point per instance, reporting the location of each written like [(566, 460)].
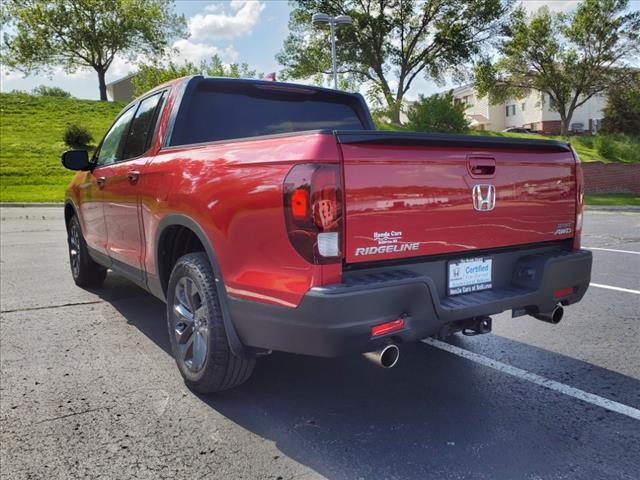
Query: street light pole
[(334, 23), (333, 55)]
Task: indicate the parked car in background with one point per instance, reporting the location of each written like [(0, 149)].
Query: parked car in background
[(272, 216), (519, 130)]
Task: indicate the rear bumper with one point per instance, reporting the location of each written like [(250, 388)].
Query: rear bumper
[(336, 319)]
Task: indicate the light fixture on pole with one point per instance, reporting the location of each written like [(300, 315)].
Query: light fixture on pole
[(334, 22)]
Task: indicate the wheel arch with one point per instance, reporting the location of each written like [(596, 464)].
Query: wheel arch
[(180, 220)]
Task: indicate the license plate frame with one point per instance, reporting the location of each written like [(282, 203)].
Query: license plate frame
[(469, 275)]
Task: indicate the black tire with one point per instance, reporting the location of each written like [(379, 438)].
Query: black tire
[(194, 319), (85, 272)]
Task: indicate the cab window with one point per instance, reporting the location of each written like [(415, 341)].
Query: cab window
[(109, 148), (142, 127)]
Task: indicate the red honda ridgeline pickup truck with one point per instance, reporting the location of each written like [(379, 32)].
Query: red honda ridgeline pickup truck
[(272, 216)]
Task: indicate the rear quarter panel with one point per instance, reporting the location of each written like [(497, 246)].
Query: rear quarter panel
[(234, 192)]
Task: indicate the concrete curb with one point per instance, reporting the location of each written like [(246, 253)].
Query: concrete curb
[(27, 205), (613, 208)]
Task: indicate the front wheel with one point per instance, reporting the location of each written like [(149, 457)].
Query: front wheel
[(85, 272), (196, 329)]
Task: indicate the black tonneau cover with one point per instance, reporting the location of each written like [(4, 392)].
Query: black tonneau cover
[(446, 140)]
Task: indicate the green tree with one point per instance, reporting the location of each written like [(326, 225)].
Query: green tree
[(40, 35), (390, 43), (622, 111), (438, 113), (568, 57), (157, 73)]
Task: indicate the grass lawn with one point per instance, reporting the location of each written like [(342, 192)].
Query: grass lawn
[(31, 143), (608, 199)]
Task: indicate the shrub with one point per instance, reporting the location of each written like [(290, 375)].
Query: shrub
[(77, 136), (382, 122), (618, 148), (45, 91), (605, 146), (438, 113)]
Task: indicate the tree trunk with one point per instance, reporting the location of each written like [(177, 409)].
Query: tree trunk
[(394, 115), (564, 125), (102, 84)]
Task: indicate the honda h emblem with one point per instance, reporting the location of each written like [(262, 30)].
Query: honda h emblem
[(484, 197)]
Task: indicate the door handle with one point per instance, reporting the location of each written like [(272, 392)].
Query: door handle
[(101, 181), (482, 167), (133, 176)]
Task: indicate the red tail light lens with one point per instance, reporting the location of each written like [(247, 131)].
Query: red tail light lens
[(388, 327), (563, 292), (313, 211), (300, 203)]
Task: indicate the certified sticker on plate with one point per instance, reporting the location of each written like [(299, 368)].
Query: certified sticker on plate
[(471, 275)]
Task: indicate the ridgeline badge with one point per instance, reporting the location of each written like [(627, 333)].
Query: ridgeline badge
[(388, 242)]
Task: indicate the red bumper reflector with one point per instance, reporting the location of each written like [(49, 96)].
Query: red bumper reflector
[(387, 327), (563, 292)]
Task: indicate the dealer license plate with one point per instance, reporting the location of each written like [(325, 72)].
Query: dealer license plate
[(470, 275)]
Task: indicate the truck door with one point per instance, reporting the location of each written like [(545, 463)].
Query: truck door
[(125, 236), (91, 202)]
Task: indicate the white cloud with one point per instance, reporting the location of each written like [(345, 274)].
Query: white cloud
[(196, 52), (218, 24)]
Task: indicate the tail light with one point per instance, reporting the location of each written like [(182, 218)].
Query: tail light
[(577, 237), (313, 211)]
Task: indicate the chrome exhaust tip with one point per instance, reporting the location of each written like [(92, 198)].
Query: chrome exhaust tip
[(386, 356), (554, 316)]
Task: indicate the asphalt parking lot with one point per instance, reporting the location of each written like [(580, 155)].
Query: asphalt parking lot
[(89, 390)]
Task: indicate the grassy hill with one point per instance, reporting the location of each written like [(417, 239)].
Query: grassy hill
[(31, 143), (31, 131)]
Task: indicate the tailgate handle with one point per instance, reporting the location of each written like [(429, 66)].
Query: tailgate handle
[(482, 166)]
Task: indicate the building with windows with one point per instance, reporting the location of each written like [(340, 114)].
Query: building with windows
[(532, 112)]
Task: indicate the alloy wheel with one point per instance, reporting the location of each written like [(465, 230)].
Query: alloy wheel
[(191, 329), (74, 248)]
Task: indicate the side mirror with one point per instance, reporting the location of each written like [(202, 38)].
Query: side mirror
[(76, 160)]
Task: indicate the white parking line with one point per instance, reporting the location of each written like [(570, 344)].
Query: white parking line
[(537, 379), (613, 250), (618, 289)]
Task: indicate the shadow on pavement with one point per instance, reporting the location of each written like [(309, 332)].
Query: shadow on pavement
[(433, 416)]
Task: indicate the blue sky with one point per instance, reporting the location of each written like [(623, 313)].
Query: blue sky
[(237, 30)]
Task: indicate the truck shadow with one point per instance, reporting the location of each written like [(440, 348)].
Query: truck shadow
[(433, 416)]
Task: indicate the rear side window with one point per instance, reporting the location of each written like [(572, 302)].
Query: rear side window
[(222, 111), (142, 127)]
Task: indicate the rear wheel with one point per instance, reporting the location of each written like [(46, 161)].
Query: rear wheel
[(196, 329), (85, 272)]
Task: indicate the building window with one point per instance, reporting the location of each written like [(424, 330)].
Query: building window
[(552, 102), (507, 110), (511, 110), (522, 106)]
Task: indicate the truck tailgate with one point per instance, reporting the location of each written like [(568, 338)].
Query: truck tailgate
[(409, 195)]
